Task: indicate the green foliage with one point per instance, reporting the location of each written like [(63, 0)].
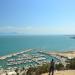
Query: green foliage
[(40, 69), (44, 68), (71, 64), (59, 66)]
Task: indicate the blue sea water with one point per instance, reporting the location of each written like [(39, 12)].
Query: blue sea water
[(11, 44)]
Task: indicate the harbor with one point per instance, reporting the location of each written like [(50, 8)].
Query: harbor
[(27, 58)]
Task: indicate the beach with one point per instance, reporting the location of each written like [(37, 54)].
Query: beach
[(69, 54), (65, 54)]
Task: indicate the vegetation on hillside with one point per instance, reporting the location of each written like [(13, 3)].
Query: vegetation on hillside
[(71, 64), (45, 67)]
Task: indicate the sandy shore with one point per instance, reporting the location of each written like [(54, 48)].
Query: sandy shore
[(65, 72), (68, 54)]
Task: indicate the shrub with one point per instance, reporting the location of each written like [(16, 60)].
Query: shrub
[(71, 64), (39, 70), (59, 66)]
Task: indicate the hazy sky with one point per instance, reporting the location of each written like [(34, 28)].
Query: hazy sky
[(40, 17)]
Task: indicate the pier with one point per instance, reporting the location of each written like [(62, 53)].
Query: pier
[(14, 54)]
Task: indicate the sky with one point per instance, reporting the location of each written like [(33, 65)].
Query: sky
[(37, 17)]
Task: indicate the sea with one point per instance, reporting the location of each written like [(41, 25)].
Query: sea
[(11, 44), (18, 43)]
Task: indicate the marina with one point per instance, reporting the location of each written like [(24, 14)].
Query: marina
[(27, 58)]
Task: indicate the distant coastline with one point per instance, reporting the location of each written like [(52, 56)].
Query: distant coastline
[(73, 37)]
